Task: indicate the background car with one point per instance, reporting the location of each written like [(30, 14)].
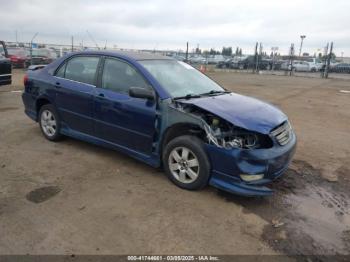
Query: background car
[(5, 66), (216, 59), (315, 64), (224, 64), (19, 57), (341, 68), (43, 56), (301, 66), (298, 66), (197, 60), (249, 62)]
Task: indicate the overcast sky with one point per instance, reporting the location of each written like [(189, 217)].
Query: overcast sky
[(164, 24)]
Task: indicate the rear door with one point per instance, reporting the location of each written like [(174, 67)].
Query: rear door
[(75, 83), (119, 118), (5, 66)]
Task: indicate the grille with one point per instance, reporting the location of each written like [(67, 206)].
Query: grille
[(282, 133)]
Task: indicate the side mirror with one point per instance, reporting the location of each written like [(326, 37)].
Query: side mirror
[(141, 92)]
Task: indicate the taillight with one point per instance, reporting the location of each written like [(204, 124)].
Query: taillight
[(25, 79)]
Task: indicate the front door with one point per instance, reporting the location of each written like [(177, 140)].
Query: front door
[(119, 118)]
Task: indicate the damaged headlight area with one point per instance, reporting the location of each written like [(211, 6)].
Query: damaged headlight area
[(224, 134)]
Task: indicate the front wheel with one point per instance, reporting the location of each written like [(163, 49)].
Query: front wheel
[(49, 122), (186, 162)]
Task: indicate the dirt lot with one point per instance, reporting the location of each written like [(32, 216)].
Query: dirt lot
[(75, 198)]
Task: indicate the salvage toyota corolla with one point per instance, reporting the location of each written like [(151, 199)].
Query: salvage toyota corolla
[(164, 113)]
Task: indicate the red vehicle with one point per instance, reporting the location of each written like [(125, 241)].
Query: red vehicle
[(19, 57)]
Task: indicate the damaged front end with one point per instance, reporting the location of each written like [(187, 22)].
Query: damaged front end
[(242, 160)]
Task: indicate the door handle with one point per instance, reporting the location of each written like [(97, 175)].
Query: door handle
[(101, 95), (58, 85)]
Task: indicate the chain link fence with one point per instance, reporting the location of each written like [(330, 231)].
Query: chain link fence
[(321, 65)]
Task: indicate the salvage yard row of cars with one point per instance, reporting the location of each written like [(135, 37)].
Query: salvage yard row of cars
[(20, 57), (308, 64)]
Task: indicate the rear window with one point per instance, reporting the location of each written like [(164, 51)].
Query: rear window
[(81, 69)]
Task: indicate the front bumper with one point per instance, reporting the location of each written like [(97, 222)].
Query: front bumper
[(228, 164)]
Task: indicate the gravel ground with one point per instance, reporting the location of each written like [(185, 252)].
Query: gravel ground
[(75, 198)]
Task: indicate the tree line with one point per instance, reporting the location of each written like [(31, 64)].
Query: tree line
[(226, 51)]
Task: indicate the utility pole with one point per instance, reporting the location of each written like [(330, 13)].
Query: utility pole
[(325, 52), (274, 52), (186, 52), (291, 57), (257, 54), (16, 38), (302, 37), (72, 44), (328, 61), (256, 57), (31, 48)]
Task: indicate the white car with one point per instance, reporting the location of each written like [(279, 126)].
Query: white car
[(315, 64), (300, 66), (197, 60)]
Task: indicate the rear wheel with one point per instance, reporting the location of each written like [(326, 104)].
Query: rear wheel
[(49, 122), (186, 162)]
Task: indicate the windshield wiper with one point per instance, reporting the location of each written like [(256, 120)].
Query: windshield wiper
[(213, 92), (188, 96)]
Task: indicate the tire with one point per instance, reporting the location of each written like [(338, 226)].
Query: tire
[(49, 122), (183, 169)]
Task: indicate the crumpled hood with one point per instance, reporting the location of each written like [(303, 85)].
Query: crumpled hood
[(242, 111)]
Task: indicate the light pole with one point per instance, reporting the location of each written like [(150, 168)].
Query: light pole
[(301, 43), (31, 48)]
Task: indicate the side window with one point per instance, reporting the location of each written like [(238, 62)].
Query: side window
[(120, 76), (82, 69), (61, 71)]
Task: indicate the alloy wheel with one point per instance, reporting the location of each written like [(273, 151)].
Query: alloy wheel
[(183, 165), (48, 123)]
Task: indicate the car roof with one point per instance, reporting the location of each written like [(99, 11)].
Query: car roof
[(135, 55)]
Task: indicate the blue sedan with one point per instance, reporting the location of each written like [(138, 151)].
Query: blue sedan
[(165, 113)]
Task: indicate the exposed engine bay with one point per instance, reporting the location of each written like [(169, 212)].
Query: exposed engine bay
[(224, 134)]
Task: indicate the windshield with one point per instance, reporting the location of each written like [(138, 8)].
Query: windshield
[(179, 78)]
